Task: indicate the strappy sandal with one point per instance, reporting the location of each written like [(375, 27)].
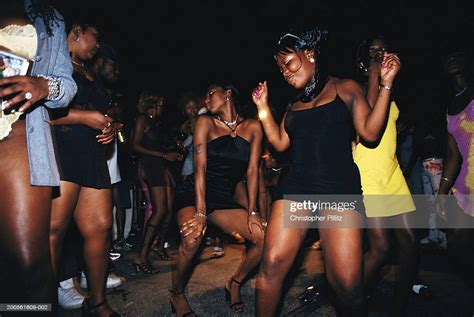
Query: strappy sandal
[(163, 254), (228, 298), (173, 309), (89, 311), (145, 267)]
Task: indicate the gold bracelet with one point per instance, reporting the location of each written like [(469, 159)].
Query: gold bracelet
[(200, 214)]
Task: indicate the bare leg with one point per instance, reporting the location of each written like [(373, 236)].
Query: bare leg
[(186, 252), (236, 220), (280, 249), (61, 214), (379, 245), (25, 212), (158, 199), (94, 219), (343, 262)]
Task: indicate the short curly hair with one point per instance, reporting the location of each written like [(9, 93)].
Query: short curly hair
[(147, 100)]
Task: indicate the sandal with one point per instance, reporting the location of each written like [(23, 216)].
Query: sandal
[(145, 267), (163, 254), (173, 309), (89, 311), (238, 309)]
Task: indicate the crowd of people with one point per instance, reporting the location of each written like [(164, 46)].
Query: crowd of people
[(71, 156)]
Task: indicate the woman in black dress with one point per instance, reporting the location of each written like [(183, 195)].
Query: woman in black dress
[(148, 142), (82, 135), (226, 148), (318, 130)]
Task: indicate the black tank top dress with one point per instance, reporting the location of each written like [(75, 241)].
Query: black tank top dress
[(82, 159), (321, 153), (227, 162), (154, 167)]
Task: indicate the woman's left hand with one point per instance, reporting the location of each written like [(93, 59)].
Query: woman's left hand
[(390, 67), (254, 219), (27, 90), (108, 134)]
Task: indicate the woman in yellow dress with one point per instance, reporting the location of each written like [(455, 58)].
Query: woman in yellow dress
[(387, 197)]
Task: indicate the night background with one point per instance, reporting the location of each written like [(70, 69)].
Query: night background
[(175, 46)]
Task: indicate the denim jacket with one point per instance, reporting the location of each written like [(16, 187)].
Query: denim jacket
[(52, 59)]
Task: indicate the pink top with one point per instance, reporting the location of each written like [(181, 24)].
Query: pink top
[(461, 127)]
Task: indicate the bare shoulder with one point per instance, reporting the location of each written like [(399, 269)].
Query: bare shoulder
[(347, 85), (253, 125), (203, 119)]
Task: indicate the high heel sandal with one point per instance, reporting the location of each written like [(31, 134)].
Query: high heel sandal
[(89, 311), (163, 254), (145, 267), (228, 298), (173, 309)]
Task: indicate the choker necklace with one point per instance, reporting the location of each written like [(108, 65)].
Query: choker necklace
[(228, 124), (312, 88), (76, 63)]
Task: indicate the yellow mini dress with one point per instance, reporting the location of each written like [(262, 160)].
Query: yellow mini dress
[(384, 187)]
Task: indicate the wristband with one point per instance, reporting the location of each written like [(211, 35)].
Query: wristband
[(53, 87), (385, 87)]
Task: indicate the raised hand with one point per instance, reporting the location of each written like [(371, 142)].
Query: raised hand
[(390, 67), (260, 95)]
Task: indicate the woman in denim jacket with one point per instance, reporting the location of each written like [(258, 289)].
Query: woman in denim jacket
[(28, 168)]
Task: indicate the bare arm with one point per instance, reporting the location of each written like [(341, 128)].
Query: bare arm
[(262, 192), (201, 134), (252, 169), (91, 118), (451, 165), (368, 121), (276, 135)]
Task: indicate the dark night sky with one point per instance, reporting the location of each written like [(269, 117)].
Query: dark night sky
[(179, 45)]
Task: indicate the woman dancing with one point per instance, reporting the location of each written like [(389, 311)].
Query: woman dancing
[(148, 142), (381, 175), (226, 148), (318, 129)]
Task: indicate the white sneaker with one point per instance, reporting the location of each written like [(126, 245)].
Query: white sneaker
[(113, 281), (68, 296)]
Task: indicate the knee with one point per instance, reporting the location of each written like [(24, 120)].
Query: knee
[(57, 232), (258, 238), (349, 289), (380, 248), (273, 266), (101, 226), (189, 246)]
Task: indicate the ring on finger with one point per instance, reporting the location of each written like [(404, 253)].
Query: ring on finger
[(28, 95)]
